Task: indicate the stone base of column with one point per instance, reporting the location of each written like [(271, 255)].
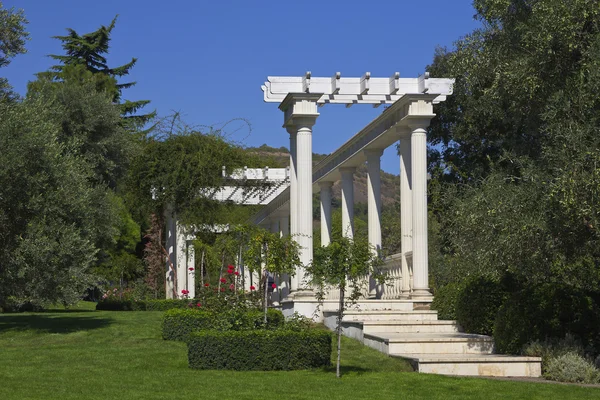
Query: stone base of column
[(303, 304), (421, 298)]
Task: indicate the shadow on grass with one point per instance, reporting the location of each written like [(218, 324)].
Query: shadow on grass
[(348, 369), (50, 324)]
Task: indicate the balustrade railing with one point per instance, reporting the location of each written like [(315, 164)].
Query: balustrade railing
[(395, 286)]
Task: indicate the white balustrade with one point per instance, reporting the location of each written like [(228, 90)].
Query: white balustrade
[(392, 268)]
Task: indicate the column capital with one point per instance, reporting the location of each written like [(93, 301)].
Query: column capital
[(347, 170), (325, 184), (373, 153), (300, 109), (418, 122)]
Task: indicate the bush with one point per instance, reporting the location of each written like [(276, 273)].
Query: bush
[(548, 312), (178, 324), (445, 300), (571, 367), (550, 349), (142, 305), (477, 305), (259, 350)]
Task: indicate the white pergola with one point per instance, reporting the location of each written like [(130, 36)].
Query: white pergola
[(406, 120), (247, 186)]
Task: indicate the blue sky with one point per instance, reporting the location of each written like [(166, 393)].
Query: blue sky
[(208, 59)]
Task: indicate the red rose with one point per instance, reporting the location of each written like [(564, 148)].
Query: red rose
[(198, 305), (207, 284), (191, 269), (274, 286), (185, 291), (252, 287), (232, 286), (222, 289), (230, 271), (223, 280), (230, 267), (236, 273)]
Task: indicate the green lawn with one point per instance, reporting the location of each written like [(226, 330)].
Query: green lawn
[(87, 354)]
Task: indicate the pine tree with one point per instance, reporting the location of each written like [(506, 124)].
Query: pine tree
[(89, 50)]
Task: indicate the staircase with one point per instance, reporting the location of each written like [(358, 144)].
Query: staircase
[(430, 345)]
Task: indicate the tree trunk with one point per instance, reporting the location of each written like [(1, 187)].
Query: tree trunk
[(266, 283), (339, 332), (221, 274), (202, 270)]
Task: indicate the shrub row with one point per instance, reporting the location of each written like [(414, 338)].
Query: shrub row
[(262, 350), (142, 305), (177, 324), (517, 315)]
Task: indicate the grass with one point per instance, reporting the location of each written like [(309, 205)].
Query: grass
[(74, 354)]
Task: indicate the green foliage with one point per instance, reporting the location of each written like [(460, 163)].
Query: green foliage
[(12, 43), (552, 348), (445, 300), (126, 304), (477, 305), (88, 51), (178, 170), (178, 324), (53, 212), (572, 368), (259, 350), (545, 312)]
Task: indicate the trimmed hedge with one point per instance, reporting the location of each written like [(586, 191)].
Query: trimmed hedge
[(142, 305), (445, 300), (261, 350), (477, 305), (178, 324)]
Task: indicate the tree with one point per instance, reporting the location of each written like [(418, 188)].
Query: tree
[(343, 266), (89, 50), (53, 217), (515, 170), (12, 43)]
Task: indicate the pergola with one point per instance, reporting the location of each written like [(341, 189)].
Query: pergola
[(406, 120), (287, 198)]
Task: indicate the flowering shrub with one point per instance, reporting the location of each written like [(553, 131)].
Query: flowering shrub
[(178, 324)]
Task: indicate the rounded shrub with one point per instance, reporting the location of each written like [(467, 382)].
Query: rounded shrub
[(477, 305), (445, 300), (573, 368)]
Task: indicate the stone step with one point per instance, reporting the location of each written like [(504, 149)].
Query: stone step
[(475, 364), (390, 315), (401, 326), (429, 343)]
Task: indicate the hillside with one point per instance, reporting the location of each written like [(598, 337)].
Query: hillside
[(390, 184)]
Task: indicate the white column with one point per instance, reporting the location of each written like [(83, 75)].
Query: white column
[(348, 201), (191, 275), (300, 114), (304, 195), (181, 259), (170, 247), (374, 196), (419, 211), (374, 206), (325, 212), (293, 194), (284, 230), (405, 210)]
